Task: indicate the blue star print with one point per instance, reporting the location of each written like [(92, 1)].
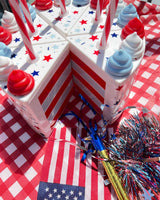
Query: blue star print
[(91, 12), (50, 11), (114, 35), (13, 55), (17, 40), (35, 73)]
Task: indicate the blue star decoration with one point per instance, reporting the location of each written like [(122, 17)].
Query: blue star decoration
[(13, 55), (17, 39), (114, 24), (147, 194), (35, 73), (50, 11), (91, 12), (114, 35)]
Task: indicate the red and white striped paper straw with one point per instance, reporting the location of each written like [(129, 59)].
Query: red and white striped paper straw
[(62, 5), (27, 15), (18, 16), (109, 20), (99, 10)]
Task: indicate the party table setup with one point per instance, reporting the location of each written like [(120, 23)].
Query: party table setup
[(80, 100)]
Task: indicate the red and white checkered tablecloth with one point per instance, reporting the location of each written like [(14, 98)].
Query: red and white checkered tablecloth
[(22, 150)]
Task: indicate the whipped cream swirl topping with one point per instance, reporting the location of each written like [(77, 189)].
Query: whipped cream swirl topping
[(133, 45), (5, 50), (127, 13), (6, 67), (119, 65), (8, 22), (20, 83)]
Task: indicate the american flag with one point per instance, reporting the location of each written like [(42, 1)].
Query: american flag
[(62, 168)]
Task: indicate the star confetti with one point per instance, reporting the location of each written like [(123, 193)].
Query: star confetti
[(47, 58), (37, 38), (91, 12), (114, 35), (83, 22), (96, 52), (75, 12), (39, 25), (94, 37), (101, 26), (17, 39)]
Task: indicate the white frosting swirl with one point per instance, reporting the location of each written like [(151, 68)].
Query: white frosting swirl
[(6, 67), (8, 22), (133, 45)]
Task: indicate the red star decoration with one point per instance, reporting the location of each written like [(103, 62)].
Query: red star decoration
[(104, 12), (75, 12), (83, 22), (119, 88), (37, 38), (26, 52), (58, 18), (96, 52), (101, 26), (47, 58), (93, 37), (39, 25)]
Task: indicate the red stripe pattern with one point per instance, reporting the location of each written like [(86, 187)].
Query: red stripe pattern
[(88, 82), (57, 91)]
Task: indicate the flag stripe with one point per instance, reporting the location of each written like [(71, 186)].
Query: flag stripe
[(54, 157), (62, 165)]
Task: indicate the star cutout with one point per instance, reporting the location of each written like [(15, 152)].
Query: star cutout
[(39, 25), (47, 58), (83, 22), (101, 26), (93, 37), (35, 73), (96, 52), (114, 23), (119, 88), (58, 18), (37, 38), (17, 39), (114, 35), (91, 12), (75, 12)]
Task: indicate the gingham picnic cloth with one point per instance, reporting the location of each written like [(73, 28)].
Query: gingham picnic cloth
[(23, 152)]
